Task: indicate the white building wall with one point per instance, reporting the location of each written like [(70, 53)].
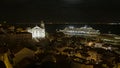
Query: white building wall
[(37, 32)]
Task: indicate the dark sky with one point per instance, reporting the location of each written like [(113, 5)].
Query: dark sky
[(17, 11)]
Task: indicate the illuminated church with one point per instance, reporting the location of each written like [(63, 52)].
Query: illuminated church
[(37, 32)]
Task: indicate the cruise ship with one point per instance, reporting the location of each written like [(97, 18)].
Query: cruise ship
[(85, 30)]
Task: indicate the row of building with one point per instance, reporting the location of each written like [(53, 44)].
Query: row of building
[(13, 34)]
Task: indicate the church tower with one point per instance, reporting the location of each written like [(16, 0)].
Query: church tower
[(42, 25)]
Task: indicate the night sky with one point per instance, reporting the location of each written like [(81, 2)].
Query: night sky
[(18, 11)]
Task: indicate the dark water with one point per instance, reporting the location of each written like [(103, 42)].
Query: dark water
[(104, 28)]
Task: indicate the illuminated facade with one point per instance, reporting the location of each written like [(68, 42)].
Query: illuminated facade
[(37, 32), (89, 31)]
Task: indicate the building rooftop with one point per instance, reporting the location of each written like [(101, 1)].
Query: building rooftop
[(23, 33)]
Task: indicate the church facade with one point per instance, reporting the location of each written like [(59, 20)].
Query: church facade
[(37, 32)]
